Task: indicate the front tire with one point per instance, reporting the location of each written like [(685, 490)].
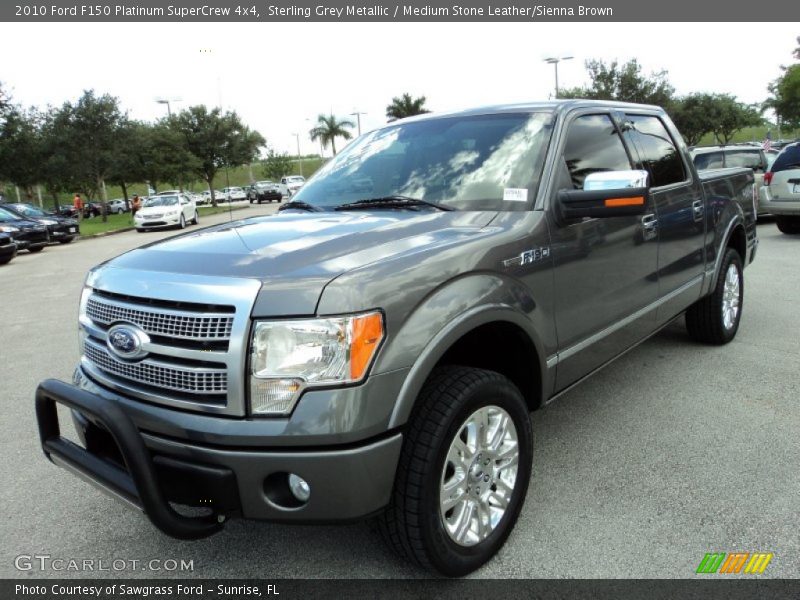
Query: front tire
[(36, 249), (463, 471), (715, 318), (66, 240), (788, 225)]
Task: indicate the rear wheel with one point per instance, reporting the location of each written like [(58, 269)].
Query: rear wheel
[(182, 224), (463, 472), (715, 318), (196, 219), (788, 225)]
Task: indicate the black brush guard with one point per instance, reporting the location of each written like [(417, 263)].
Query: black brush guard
[(138, 485)]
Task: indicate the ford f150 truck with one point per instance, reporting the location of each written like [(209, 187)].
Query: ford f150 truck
[(375, 348)]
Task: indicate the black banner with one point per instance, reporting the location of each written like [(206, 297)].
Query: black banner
[(465, 589), (399, 11)]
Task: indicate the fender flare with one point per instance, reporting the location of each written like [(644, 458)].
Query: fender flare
[(737, 220), (449, 335)]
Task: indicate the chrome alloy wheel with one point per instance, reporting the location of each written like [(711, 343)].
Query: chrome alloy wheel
[(478, 476), (730, 297)]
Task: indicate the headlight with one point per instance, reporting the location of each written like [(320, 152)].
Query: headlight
[(288, 356), (48, 222), (8, 229)]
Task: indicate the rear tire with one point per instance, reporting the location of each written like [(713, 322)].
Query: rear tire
[(196, 219), (788, 225), (182, 224), (715, 318), (463, 472)]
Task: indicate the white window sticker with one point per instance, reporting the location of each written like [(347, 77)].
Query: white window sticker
[(515, 194)]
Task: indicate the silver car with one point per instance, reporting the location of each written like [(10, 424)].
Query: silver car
[(725, 157), (780, 194)]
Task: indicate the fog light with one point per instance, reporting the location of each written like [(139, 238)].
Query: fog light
[(273, 396), (300, 488)]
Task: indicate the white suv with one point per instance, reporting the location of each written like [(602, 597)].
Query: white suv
[(293, 182), (780, 195), (232, 194)]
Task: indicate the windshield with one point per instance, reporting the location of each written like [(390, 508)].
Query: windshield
[(161, 201), (750, 159), (7, 216), (30, 211), (484, 162)]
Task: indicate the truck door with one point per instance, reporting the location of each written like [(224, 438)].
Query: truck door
[(604, 268), (680, 210)]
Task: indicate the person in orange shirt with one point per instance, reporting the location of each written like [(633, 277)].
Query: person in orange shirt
[(136, 204), (77, 204)]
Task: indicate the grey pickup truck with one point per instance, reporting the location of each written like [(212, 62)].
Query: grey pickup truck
[(376, 347)]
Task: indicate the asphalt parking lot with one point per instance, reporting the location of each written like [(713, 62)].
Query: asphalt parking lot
[(675, 450)]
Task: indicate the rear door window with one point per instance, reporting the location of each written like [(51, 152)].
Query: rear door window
[(788, 159)]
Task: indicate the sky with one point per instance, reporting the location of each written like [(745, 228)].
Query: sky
[(280, 76)]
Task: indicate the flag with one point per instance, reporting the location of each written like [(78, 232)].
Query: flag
[(767, 145)]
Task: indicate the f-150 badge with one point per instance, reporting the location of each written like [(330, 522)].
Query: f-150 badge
[(528, 257)]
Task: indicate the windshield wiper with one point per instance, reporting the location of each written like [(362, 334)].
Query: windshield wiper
[(394, 201), (300, 205)]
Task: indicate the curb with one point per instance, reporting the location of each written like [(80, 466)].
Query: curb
[(105, 233)]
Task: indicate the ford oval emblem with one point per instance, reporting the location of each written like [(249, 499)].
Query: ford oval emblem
[(126, 341)]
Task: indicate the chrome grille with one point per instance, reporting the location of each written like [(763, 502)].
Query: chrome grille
[(161, 322), (190, 380)]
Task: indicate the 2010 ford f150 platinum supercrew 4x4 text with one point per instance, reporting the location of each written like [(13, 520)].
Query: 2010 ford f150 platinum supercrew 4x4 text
[(375, 348)]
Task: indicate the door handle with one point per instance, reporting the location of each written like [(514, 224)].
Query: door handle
[(649, 222), (697, 209)]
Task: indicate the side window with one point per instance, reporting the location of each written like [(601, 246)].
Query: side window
[(658, 152), (708, 160), (593, 144)]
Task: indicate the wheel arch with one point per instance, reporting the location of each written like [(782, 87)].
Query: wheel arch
[(521, 359)]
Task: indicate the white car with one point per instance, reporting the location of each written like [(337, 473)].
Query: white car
[(233, 194), (293, 182), (158, 212), (117, 206)]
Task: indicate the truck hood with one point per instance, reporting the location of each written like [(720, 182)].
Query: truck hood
[(295, 254)]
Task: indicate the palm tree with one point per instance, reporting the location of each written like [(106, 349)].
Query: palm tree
[(406, 106), (329, 128)]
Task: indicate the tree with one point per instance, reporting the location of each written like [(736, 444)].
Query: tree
[(785, 90), (5, 103), (215, 140), (691, 116), (21, 150), (625, 83), (727, 116), (88, 135), (277, 164), (405, 106), (329, 128)]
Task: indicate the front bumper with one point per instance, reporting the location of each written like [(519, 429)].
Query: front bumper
[(165, 221), (7, 250), (346, 482)]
